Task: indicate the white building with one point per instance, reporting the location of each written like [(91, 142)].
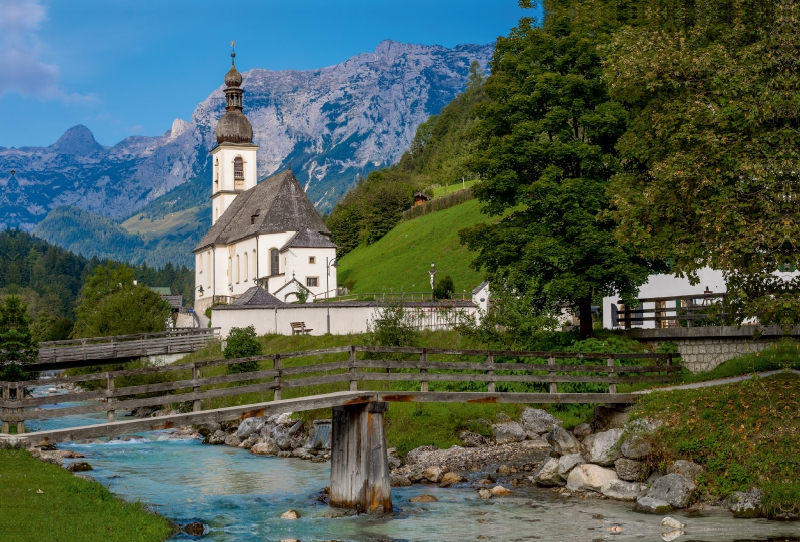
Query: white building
[(266, 233)]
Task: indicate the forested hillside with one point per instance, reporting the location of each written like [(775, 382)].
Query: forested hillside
[(438, 155)]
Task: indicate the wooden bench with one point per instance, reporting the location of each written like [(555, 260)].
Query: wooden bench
[(299, 328)]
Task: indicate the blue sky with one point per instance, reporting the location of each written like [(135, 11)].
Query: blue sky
[(129, 67)]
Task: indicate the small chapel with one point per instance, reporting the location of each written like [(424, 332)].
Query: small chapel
[(266, 234)]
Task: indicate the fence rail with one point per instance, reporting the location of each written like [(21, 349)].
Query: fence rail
[(396, 296), (686, 310), (186, 383)]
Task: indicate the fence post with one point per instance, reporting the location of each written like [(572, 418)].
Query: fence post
[(4, 395), (83, 348), (277, 366), (690, 312), (423, 357), (110, 413), (551, 361), (20, 397), (612, 386), (353, 377), (490, 372), (197, 405)]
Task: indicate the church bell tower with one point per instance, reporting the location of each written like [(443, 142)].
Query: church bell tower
[(234, 157)]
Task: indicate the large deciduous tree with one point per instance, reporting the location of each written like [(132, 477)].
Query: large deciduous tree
[(545, 148), (713, 151)]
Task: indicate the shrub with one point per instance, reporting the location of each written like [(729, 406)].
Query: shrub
[(242, 343), (392, 327), (444, 289)]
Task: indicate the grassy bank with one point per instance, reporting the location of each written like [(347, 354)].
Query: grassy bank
[(42, 502), (745, 434)]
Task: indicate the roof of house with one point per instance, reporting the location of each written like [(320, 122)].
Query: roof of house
[(422, 195), (276, 204), (307, 238), (256, 296), (480, 287), (175, 301), (161, 290)]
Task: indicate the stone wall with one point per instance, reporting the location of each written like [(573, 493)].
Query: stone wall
[(704, 348)]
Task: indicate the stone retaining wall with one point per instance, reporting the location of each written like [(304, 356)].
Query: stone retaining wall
[(704, 348)]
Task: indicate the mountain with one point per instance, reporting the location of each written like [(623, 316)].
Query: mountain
[(330, 125)]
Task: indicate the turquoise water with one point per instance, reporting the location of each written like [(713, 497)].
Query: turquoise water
[(241, 497)]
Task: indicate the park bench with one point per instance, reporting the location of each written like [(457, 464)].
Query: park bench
[(299, 328)]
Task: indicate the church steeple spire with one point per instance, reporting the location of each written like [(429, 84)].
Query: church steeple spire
[(234, 127)]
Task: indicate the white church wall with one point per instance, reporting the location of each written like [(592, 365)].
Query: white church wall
[(298, 263)]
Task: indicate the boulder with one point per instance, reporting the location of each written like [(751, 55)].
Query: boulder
[(249, 441), (451, 478), (290, 514), (582, 431), (416, 476), (563, 442), (500, 490), (622, 490), (536, 442), (601, 448), (194, 528), (674, 489), (568, 462), (535, 421), (635, 447), (399, 481), (630, 470), (418, 455), (589, 478), (610, 417), (301, 453), (250, 426), (484, 494), (217, 437), (473, 440), (745, 504), (433, 474), (265, 446), (79, 466), (547, 473), (508, 432), (424, 498), (687, 469), (672, 523), (232, 440), (652, 506), (502, 417)]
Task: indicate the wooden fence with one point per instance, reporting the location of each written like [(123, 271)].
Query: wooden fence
[(491, 368), (686, 310)]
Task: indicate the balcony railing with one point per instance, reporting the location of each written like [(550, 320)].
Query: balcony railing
[(673, 311)]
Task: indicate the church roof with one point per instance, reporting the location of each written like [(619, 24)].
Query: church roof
[(276, 204), (256, 296), (307, 238)]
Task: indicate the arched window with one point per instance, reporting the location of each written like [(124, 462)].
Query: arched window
[(255, 265), (199, 263), (246, 267), (208, 266), (274, 262), (238, 168), (237, 269)]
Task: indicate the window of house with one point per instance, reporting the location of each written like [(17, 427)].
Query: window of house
[(274, 262), (311, 282), (238, 168), (312, 259), (246, 267)]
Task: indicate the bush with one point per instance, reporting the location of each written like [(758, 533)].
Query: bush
[(444, 289), (391, 327), (242, 343)]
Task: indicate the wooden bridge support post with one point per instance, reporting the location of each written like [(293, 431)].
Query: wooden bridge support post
[(612, 386), (490, 373), (197, 405), (4, 395), (21, 422), (359, 462), (553, 386), (111, 414), (353, 377), (423, 384), (277, 366)]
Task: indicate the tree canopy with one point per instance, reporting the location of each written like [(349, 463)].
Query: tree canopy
[(545, 148), (17, 347)]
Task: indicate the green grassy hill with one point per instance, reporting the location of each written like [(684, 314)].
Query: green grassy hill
[(401, 259)]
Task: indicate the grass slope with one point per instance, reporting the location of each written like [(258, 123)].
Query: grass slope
[(401, 259), (43, 503)]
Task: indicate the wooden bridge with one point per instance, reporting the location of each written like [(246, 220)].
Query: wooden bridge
[(54, 355), (357, 388)]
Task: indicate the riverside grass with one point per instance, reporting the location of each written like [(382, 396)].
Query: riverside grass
[(40, 502)]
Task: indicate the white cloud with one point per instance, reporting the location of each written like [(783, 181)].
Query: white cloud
[(21, 70)]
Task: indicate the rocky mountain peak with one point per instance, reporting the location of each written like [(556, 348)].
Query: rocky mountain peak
[(77, 140)]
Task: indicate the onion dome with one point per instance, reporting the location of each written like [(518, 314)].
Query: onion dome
[(233, 78), (234, 127)]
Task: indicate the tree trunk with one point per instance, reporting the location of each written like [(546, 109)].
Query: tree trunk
[(585, 315)]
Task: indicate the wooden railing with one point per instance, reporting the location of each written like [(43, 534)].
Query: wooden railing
[(685, 310), (175, 341), (432, 367), (396, 296)]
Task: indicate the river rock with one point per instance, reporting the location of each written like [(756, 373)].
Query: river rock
[(301, 453), (424, 498), (535, 421), (601, 448), (194, 528), (651, 505), (418, 455), (484, 493), (508, 432), (622, 490), (500, 490), (563, 442), (250, 426), (630, 470), (217, 437), (687, 469), (232, 440), (416, 475), (290, 514), (265, 446), (399, 481), (451, 478), (433, 474), (745, 504), (79, 466), (473, 440), (249, 441), (672, 523), (582, 431), (674, 489), (51, 456), (547, 473), (635, 447), (568, 462), (589, 478)]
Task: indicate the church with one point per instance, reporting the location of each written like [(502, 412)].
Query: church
[(266, 233)]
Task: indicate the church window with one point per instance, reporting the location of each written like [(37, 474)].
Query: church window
[(216, 171), (199, 264), (208, 266), (246, 267), (255, 265), (312, 282), (274, 262), (238, 168), (237, 269), (312, 259)]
